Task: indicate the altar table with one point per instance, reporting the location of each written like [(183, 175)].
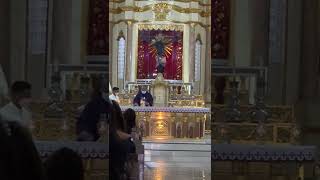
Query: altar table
[(171, 122)]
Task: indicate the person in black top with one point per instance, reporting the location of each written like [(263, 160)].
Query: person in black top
[(143, 96), (130, 118), (87, 124)]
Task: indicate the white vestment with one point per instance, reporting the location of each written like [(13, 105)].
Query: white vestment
[(11, 112), (112, 97)]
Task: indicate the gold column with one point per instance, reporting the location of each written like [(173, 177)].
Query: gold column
[(128, 62)]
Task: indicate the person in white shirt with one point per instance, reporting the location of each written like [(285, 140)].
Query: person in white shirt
[(114, 96), (17, 109)]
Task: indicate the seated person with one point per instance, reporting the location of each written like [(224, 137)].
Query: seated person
[(114, 96), (87, 124), (120, 143), (17, 109), (143, 96)]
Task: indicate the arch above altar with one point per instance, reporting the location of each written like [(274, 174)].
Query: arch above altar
[(179, 23)]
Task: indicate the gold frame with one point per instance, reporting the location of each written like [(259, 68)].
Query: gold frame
[(167, 27), (149, 7), (182, 1)]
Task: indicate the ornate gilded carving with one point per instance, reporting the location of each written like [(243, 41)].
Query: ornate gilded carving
[(201, 3), (149, 21), (164, 27), (161, 11)]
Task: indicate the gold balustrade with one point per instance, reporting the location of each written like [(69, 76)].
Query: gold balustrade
[(281, 127)]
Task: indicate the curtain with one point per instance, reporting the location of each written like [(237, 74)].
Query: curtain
[(146, 67)]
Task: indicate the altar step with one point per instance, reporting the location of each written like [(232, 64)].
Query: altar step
[(177, 145), (186, 152)]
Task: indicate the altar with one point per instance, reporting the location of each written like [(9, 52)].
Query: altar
[(172, 122)]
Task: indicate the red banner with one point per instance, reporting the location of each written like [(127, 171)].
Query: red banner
[(220, 28), (98, 28), (147, 63)]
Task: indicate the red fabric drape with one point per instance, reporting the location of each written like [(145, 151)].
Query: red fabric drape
[(147, 63), (220, 28), (98, 28)]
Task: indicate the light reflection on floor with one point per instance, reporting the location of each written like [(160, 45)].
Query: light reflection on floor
[(166, 164)]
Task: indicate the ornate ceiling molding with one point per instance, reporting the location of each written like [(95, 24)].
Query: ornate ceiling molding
[(158, 7), (183, 1), (127, 21)]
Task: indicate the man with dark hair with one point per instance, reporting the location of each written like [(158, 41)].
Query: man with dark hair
[(16, 110), (114, 96)]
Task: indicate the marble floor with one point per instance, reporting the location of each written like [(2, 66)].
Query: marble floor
[(179, 159)]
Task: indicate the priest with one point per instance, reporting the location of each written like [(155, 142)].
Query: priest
[(143, 98)]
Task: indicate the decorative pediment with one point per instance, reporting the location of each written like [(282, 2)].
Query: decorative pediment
[(161, 11)]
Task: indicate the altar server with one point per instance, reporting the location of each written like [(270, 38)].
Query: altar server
[(114, 96), (17, 109)]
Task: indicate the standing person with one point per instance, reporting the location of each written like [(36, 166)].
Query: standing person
[(17, 109), (114, 96), (87, 123)]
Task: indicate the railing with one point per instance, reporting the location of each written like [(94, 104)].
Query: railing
[(247, 77), (280, 127), (76, 79), (234, 161)]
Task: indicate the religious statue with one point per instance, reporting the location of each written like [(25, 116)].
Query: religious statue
[(161, 62), (161, 47)]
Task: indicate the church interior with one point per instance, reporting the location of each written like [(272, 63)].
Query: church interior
[(265, 89), (219, 89)]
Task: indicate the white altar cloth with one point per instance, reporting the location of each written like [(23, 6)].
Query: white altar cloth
[(168, 109)]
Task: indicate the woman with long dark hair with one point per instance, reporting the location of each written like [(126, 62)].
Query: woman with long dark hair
[(120, 144)]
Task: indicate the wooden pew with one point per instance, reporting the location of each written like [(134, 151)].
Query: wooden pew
[(95, 155)]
